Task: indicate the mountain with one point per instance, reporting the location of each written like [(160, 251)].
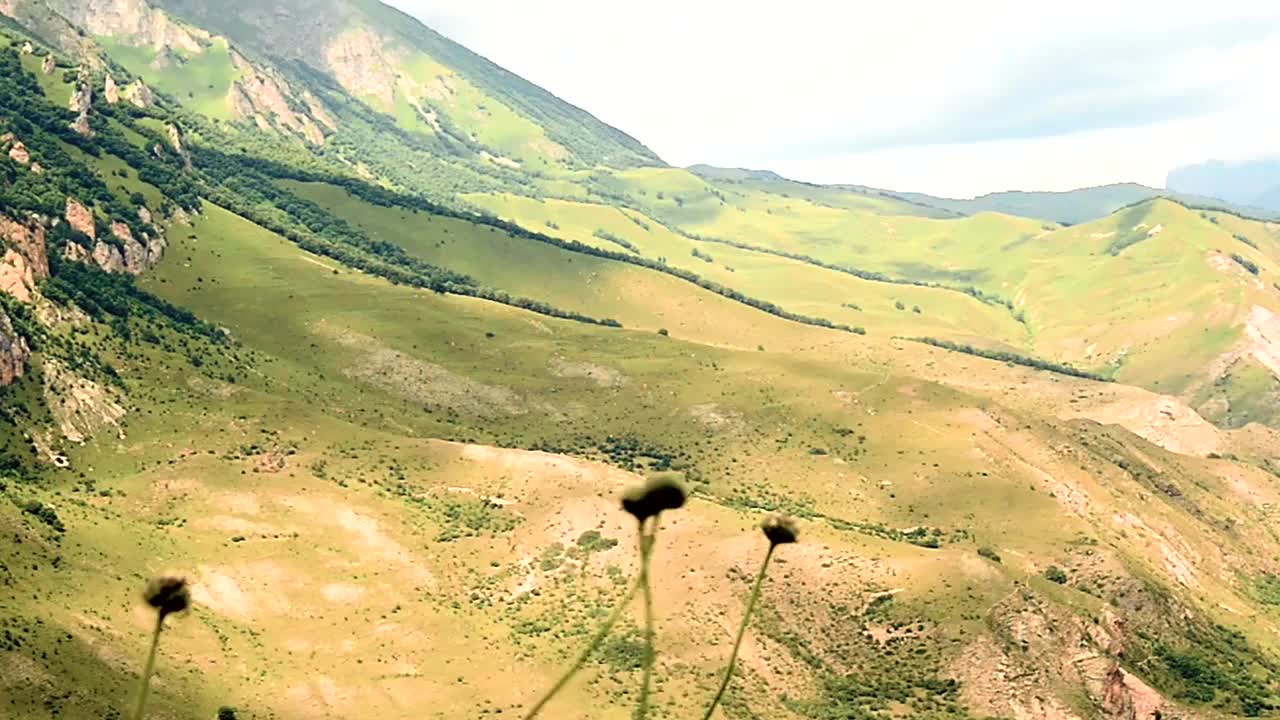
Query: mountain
[(425, 81), (375, 384), (1254, 183), (1070, 207)]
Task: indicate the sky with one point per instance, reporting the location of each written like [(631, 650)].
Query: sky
[(950, 98)]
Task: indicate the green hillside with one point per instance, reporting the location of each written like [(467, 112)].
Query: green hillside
[(1070, 207), (392, 61), (372, 375), (1073, 207)]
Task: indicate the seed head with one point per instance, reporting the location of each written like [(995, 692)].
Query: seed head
[(780, 529), (168, 595), (653, 497)]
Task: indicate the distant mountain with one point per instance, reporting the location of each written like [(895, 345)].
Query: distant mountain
[(1255, 182), (711, 172), (1070, 207)]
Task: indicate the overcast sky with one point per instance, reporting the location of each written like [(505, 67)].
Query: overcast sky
[(953, 98)]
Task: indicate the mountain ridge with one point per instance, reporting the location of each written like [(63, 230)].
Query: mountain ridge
[(1255, 182), (376, 393), (1065, 206)]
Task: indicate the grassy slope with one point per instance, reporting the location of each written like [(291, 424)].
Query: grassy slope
[(493, 124), (1162, 310), (201, 81), (327, 589), (330, 589), (1164, 306), (791, 283), (58, 91), (304, 30)]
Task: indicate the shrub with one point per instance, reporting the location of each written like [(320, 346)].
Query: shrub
[(1008, 357), (989, 554), (1055, 574), (900, 305), (619, 241), (226, 713), (592, 541), (1245, 263), (44, 514)]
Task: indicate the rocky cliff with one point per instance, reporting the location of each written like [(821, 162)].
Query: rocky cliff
[(13, 352), (119, 251), (263, 97), (133, 22), (23, 260)]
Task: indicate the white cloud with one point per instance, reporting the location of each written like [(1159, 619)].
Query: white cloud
[(960, 98)]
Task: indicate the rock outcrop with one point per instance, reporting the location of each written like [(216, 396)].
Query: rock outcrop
[(156, 245), (16, 149), (132, 22), (82, 102), (18, 153), (129, 254), (80, 407), (75, 252), (268, 101), (49, 65), (139, 95), (357, 61), (17, 279), (22, 258), (80, 218), (13, 352), (81, 99), (318, 112), (108, 257), (175, 141), (1126, 697), (111, 91)]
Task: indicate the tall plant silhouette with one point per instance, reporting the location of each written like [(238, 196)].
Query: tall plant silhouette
[(778, 530), (167, 595), (645, 503)]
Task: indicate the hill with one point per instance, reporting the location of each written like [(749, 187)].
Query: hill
[(427, 82), (376, 392), (1070, 207)]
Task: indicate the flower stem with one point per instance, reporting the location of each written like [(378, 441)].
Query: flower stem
[(742, 630), (151, 666), (586, 653), (646, 553)]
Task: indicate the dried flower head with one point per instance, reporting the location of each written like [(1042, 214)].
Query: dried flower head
[(168, 595), (654, 496), (780, 529)]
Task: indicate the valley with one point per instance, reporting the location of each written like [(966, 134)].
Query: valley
[(365, 337)]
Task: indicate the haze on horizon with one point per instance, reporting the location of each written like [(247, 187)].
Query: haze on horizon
[(955, 100)]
